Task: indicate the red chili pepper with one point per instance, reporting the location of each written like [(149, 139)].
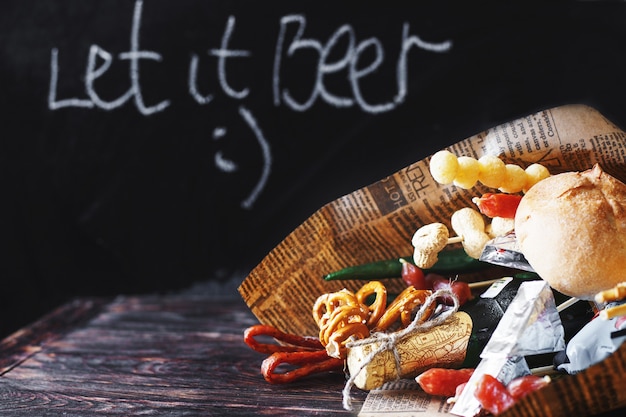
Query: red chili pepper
[(493, 395), (498, 204)]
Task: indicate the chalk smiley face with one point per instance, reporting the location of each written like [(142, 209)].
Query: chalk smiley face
[(227, 165), (221, 162)]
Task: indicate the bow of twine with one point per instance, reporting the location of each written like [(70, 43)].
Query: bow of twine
[(389, 341)]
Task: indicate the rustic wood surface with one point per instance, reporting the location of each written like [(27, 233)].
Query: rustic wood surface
[(149, 355), (185, 356)]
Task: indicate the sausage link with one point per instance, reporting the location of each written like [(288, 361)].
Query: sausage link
[(294, 343), (311, 363)]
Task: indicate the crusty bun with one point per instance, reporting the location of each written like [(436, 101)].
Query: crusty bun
[(571, 228)]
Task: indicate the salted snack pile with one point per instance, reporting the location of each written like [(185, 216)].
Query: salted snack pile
[(536, 199), (491, 212), (378, 338)]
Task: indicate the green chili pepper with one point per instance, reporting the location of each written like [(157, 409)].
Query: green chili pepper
[(450, 261)]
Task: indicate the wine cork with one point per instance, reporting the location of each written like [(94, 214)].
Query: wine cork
[(443, 346)]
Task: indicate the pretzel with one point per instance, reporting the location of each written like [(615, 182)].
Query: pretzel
[(378, 306), (402, 308), (335, 347), (327, 303), (340, 318), (343, 316)]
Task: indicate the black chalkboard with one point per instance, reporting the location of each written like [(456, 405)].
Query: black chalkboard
[(148, 145)]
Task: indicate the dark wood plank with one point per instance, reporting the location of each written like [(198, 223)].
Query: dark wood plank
[(161, 356), (25, 342)]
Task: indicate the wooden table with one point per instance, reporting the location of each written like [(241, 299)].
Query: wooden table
[(150, 355), (166, 356)]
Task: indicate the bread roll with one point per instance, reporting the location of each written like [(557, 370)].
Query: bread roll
[(571, 228)]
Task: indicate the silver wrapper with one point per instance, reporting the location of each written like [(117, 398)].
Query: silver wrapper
[(505, 251), (595, 342), (531, 325)]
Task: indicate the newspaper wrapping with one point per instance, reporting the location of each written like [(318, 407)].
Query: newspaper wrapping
[(377, 221)]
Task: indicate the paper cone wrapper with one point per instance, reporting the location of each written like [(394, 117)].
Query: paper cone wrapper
[(378, 221)]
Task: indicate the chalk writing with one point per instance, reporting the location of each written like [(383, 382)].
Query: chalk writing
[(93, 72), (267, 157), (227, 165), (221, 162), (349, 62), (357, 61), (222, 53), (193, 83)]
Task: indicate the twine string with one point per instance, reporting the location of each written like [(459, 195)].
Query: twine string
[(389, 341)]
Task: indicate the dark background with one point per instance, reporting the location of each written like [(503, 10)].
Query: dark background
[(106, 202)]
